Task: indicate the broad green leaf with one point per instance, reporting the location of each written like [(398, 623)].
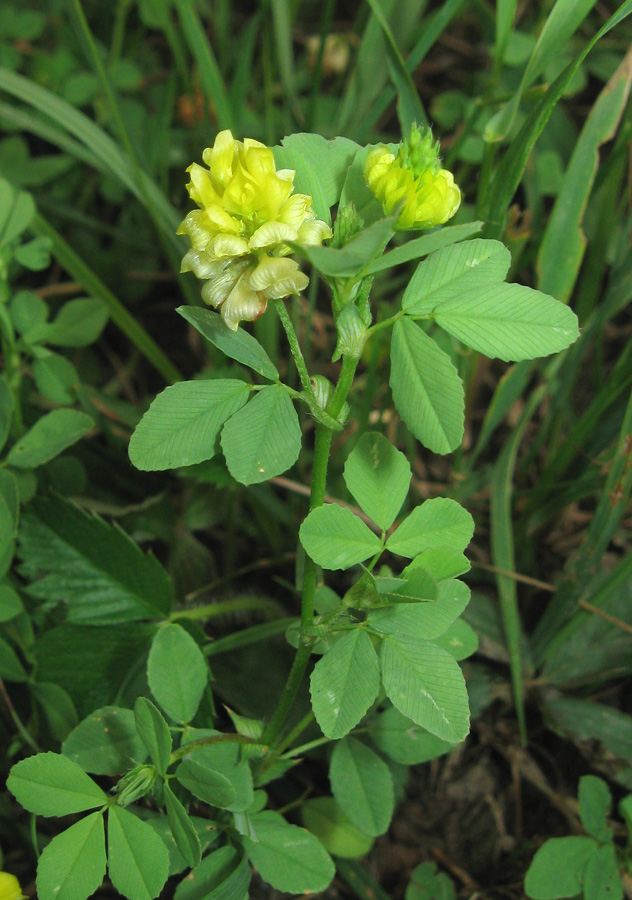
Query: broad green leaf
[(10, 603), (17, 211), (601, 879), (108, 659), (509, 322), (57, 708), (154, 733), (177, 672), (378, 476), (320, 167), (77, 324), (459, 640), (34, 255), (424, 620), (225, 758), (222, 875), (56, 378), (424, 245), (181, 426), (428, 884), (6, 410), (427, 390), (362, 786), (595, 802), (264, 438), (13, 493), (182, 828), (334, 829), (49, 784), (72, 866), (440, 562), (28, 314), (449, 272), (287, 857), (344, 683), (425, 684), (439, 522), (205, 784), (138, 861), (557, 868), (405, 742), (11, 669), (335, 538), (418, 585), (49, 437), (95, 568), (239, 345)]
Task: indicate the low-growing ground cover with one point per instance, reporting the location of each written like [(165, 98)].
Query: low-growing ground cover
[(314, 502)]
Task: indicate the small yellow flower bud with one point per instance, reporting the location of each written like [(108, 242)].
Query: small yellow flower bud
[(10, 887), (413, 182), (241, 233)]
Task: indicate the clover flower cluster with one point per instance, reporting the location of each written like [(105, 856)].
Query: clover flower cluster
[(239, 235), (413, 181)]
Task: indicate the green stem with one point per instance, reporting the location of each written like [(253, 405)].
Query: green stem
[(292, 338), (299, 728), (209, 742), (322, 446), (225, 607)]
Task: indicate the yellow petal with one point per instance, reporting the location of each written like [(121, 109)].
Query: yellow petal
[(242, 304), (270, 234), (278, 277), (10, 887), (220, 158), (198, 228), (258, 160), (224, 245), (313, 232), (221, 220), (200, 188), (295, 210), (217, 289), (202, 264)]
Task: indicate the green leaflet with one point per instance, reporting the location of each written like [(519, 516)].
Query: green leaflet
[(49, 784), (49, 437), (238, 345), (425, 683), (264, 438), (378, 476), (181, 426), (427, 390), (72, 866), (106, 742), (439, 522), (362, 786), (448, 272), (177, 672), (337, 539), (287, 857), (344, 683), (509, 321), (138, 860)]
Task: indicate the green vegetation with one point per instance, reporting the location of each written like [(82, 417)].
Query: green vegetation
[(258, 561)]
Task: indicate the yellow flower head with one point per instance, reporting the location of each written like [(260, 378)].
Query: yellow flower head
[(10, 887), (414, 181), (247, 213)]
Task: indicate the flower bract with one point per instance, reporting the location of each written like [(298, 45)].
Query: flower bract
[(239, 235)]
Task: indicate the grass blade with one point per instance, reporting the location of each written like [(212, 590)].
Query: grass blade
[(210, 75), (503, 556), (563, 244)]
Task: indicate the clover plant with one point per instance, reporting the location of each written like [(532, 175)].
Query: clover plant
[(381, 644)]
